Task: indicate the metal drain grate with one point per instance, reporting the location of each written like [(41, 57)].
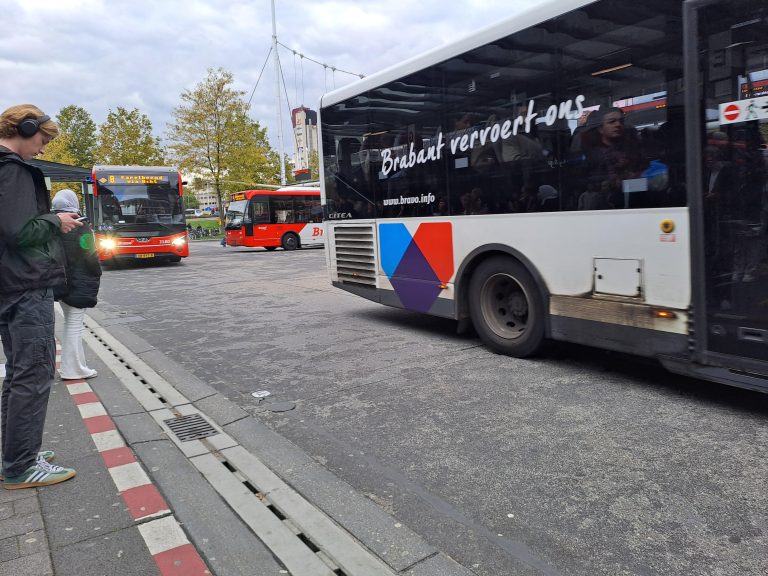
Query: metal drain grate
[(191, 427)]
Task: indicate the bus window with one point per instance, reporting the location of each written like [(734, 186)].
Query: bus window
[(282, 209), (259, 210)]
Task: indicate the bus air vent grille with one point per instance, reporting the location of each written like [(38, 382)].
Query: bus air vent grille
[(355, 255)]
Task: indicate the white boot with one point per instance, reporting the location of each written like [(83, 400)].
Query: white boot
[(72, 354)]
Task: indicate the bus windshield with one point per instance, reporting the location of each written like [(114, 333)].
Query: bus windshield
[(236, 213), (118, 204)]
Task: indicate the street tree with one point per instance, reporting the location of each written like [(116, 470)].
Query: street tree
[(125, 137), (77, 124), (211, 135), (60, 150)]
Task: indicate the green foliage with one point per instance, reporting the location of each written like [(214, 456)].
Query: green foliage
[(60, 150), (212, 135), (77, 125), (189, 200), (125, 137)]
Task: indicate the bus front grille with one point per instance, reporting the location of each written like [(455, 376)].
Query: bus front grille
[(355, 255)]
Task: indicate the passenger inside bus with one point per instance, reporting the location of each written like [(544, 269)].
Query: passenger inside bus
[(612, 151), (110, 207)]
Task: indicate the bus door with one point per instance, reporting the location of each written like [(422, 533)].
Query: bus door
[(732, 208)]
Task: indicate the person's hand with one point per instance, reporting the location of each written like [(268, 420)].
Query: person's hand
[(68, 221)]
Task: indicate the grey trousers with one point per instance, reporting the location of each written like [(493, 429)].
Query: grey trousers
[(27, 330)]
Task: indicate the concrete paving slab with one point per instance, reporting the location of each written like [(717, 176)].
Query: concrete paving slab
[(13, 495), (121, 553), (35, 565), (18, 525), (221, 410), (113, 395), (224, 540), (137, 428), (181, 379), (32, 543), (84, 507), (274, 450), (9, 549), (64, 431), (439, 565), (137, 344)]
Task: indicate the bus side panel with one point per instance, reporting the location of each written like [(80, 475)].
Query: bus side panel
[(312, 234), (566, 247), (587, 257), (269, 234)]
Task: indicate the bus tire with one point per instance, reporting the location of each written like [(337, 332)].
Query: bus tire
[(270, 248), (174, 259), (506, 307), (290, 241)]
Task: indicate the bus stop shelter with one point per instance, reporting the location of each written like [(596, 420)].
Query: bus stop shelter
[(56, 172)]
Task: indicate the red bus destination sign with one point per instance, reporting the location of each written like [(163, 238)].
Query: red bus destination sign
[(137, 179)]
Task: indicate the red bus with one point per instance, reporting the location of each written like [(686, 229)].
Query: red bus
[(289, 217), (138, 213)]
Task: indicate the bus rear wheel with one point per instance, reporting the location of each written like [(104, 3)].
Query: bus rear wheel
[(290, 241), (506, 307)]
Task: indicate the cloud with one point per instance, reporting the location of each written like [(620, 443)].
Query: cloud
[(102, 54)]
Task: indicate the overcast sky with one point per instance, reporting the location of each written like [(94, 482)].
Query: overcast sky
[(101, 54)]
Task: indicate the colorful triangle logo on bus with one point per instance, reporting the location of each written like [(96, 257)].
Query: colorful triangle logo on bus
[(417, 263)]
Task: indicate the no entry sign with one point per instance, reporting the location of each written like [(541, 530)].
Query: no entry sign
[(744, 110)]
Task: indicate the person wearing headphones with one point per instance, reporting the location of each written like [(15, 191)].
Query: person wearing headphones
[(31, 264)]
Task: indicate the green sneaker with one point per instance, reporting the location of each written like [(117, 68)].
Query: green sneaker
[(47, 455), (41, 474)]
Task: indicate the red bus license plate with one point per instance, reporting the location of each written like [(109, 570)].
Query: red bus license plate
[(148, 255)]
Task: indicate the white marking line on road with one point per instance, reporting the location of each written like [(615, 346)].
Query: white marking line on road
[(162, 535), (129, 476), (108, 440), (80, 388), (91, 409)]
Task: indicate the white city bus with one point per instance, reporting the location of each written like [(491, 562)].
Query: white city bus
[(590, 172)]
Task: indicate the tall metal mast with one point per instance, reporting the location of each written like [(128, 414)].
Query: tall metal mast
[(277, 93)]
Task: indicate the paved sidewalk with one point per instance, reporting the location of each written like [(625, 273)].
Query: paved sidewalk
[(86, 525)]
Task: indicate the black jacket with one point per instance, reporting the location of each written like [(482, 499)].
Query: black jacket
[(31, 253), (83, 269)]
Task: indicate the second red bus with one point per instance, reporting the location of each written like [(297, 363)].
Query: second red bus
[(290, 218)]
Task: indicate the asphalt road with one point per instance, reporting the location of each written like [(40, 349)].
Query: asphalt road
[(578, 462)]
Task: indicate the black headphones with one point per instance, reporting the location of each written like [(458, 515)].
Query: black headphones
[(31, 126)]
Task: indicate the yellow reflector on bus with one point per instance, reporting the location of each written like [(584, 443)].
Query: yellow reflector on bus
[(665, 314)]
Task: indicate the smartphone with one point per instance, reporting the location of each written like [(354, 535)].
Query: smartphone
[(82, 219)]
